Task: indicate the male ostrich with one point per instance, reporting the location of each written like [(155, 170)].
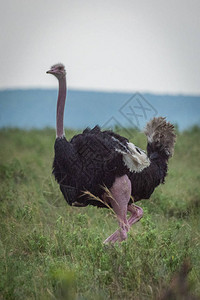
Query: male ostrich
[(108, 166)]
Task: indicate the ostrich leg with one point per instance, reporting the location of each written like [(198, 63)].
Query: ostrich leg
[(136, 215), (121, 193)]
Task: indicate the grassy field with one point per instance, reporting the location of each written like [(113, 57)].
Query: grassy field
[(49, 250)]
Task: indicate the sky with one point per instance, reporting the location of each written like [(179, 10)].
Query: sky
[(138, 45)]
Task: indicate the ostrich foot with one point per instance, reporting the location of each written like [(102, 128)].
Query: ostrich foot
[(121, 234)]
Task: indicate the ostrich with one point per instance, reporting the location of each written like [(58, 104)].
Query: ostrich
[(109, 167)]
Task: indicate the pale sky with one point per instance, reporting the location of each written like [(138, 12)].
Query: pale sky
[(138, 45)]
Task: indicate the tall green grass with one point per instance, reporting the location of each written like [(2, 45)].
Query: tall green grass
[(49, 250)]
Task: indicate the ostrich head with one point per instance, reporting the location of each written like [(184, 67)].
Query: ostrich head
[(57, 70)]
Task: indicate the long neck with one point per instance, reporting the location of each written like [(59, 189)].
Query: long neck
[(60, 107)]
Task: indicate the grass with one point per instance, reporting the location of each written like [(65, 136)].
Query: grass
[(49, 250)]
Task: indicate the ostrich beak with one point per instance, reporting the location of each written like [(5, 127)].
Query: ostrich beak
[(49, 72)]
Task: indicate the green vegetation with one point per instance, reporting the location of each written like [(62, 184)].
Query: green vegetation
[(49, 250)]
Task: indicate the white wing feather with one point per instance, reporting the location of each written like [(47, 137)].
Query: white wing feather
[(135, 159)]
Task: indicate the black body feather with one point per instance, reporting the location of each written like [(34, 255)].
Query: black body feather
[(90, 161), (87, 163)]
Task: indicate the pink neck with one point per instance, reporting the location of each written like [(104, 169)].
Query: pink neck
[(60, 107)]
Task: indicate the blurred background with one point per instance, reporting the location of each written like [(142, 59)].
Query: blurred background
[(119, 55)]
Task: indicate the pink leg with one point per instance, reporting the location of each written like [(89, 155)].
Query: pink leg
[(136, 215), (121, 193)]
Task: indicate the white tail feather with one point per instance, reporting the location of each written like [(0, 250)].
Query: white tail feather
[(161, 132)]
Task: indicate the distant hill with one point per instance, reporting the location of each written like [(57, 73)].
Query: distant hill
[(36, 108)]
